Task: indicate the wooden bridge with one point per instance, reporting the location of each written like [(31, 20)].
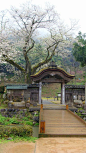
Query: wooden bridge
[(55, 123)]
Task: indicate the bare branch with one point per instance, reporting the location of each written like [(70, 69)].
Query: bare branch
[(32, 45), (48, 58)]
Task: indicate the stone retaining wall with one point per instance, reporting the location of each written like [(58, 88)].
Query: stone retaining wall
[(13, 112)]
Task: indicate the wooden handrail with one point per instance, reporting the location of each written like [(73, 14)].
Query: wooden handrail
[(77, 117)]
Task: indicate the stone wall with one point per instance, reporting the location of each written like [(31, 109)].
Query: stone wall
[(14, 112), (11, 112)]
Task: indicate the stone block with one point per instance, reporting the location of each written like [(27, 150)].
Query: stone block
[(84, 106), (27, 105), (34, 104), (78, 101)]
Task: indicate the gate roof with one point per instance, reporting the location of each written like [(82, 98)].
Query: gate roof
[(53, 75)]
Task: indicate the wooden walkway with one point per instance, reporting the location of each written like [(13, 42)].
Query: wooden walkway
[(62, 123)]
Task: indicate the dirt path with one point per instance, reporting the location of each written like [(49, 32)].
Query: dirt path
[(46, 145)]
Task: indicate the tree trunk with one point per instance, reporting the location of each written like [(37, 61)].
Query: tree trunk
[(28, 72), (28, 78)]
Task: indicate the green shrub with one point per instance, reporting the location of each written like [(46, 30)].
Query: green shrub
[(36, 124), (21, 131), (29, 116), (8, 121), (28, 123), (14, 120), (25, 118), (1, 100), (2, 119)]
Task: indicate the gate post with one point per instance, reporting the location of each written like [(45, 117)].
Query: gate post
[(63, 92), (40, 88)]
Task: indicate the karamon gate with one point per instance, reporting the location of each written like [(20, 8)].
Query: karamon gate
[(52, 74)]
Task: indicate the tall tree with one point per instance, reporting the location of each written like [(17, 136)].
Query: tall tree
[(79, 49), (18, 35)]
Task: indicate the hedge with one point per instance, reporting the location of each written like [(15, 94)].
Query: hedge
[(22, 131)]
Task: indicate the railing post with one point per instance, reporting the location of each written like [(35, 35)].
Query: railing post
[(41, 106), (42, 122), (42, 126), (66, 106)]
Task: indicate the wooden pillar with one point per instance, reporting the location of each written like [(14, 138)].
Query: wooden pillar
[(23, 95), (63, 93), (11, 93), (85, 92), (40, 88)]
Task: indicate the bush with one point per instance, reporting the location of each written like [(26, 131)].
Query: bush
[(36, 124), (8, 121), (21, 131), (2, 119), (25, 118), (28, 123), (14, 120), (1, 101)]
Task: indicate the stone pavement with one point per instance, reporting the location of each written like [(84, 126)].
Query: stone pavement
[(17, 147), (60, 145), (46, 145)]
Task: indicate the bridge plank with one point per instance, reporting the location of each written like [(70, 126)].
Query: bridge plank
[(62, 122)]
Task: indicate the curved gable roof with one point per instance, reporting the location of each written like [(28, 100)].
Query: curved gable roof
[(52, 72)]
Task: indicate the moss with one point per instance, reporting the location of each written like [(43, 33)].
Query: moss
[(48, 68)]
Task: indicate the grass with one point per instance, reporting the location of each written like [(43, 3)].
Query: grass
[(3, 106), (18, 139), (17, 124), (3, 140), (51, 90), (14, 120), (80, 113)]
